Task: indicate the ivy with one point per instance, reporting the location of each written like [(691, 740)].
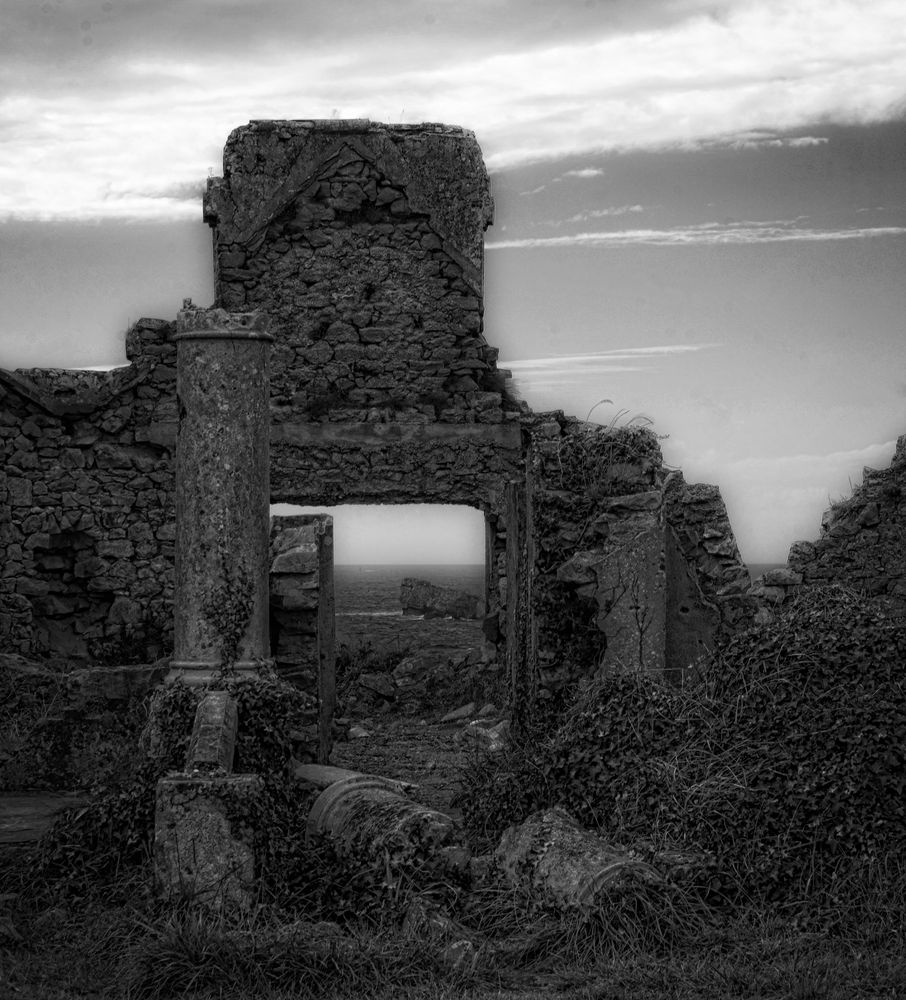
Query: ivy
[(89, 846), (785, 759)]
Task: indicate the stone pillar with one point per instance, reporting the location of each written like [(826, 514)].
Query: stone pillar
[(220, 598)]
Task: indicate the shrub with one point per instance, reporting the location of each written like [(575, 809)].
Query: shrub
[(89, 846), (785, 759)]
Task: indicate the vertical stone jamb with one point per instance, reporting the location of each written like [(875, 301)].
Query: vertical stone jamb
[(490, 563), (327, 678), (520, 641), (220, 600)]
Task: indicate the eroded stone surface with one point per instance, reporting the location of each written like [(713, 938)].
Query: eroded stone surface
[(213, 741), (222, 494), (564, 865), (202, 850)]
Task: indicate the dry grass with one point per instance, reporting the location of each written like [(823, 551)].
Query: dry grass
[(123, 944)]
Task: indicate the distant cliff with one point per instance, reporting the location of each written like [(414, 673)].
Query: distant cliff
[(419, 597)]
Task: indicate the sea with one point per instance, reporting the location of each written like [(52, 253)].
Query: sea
[(368, 609)]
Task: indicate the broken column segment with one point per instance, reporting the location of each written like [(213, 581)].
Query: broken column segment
[(213, 741), (220, 596)]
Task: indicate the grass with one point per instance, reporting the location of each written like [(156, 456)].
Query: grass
[(41, 748), (321, 930), (124, 945)]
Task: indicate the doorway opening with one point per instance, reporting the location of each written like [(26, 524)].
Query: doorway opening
[(412, 600)]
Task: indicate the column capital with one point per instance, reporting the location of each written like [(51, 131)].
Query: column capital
[(196, 323)]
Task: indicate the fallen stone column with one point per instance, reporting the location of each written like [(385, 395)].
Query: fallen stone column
[(563, 865), (365, 816), (220, 599)]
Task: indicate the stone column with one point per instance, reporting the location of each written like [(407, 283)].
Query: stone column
[(220, 599)]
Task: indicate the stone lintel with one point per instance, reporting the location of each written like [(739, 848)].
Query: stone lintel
[(365, 435), (373, 435)]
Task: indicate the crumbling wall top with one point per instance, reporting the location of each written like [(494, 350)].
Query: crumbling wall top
[(267, 163)]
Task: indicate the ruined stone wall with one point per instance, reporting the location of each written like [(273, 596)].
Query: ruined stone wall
[(86, 502), (710, 584), (635, 568), (364, 244), (862, 542)]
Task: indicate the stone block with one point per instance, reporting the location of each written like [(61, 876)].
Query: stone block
[(648, 501), (117, 548), (203, 847), (580, 568), (213, 741), (773, 595), (299, 561), (124, 611), (781, 577), (286, 594), (380, 684)]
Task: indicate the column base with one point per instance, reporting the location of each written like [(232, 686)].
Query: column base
[(196, 673)]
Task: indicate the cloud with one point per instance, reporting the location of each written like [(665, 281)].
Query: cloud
[(773, 499), (876, 455), (147, 101), (707, 234), (571, 371), (622, 353), (600, 213), (761, 140), (584, 173)]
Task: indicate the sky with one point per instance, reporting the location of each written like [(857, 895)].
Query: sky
[(700, 208)]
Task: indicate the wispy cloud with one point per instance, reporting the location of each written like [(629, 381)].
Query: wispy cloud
[(601, 213), (584, 174), (707, 234), (572, 370), (621, 353), (757, 139)]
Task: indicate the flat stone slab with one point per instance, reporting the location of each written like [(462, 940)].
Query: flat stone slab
[(25, 816)]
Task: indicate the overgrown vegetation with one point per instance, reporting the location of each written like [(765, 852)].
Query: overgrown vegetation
[(365, 658), (143, 642), (90, 847), (777, 775), (784, 762), (44, 744)]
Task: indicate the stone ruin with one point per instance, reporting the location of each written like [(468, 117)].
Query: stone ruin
[(363, 244), (344, 362)]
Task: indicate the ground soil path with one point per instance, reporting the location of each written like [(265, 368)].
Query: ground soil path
[(429, 755)]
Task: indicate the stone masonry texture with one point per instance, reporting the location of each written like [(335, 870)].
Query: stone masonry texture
[(222, 493), (363, 243)]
